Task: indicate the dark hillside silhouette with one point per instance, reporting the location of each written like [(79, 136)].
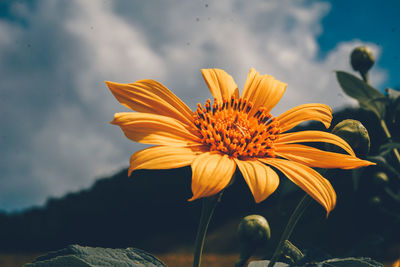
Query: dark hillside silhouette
[(118, 212)]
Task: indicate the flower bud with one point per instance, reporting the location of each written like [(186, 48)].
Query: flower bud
[(362, 59), (375, 201), (380, 178), (355, 134), (254, 229), (253, 232)]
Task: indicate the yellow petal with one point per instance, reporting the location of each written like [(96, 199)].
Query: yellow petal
[(220, 83), (308, 179), (306, 112), (211, 173), (314, 136), (313, 157), (149, 96), (154, 129), (261, 179), (262, 90), (163, 157)]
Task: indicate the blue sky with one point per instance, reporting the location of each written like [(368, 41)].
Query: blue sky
[(370, 21), (56, 55)]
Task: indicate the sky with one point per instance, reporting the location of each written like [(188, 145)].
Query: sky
[(55, 56)]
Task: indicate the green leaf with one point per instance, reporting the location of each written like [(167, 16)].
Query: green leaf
[(367, 96), (383, 100), (75, 255)]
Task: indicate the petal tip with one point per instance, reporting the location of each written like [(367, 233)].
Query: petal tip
[(130, 171), (327, 214), (193, 198), (109, 84), (368, 163), (329, 210), (327, 124), (257, 200), (114, 121)]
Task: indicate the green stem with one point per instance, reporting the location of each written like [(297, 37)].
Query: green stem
[(389, 137), (364, 76), (294, 218), (207, 210)]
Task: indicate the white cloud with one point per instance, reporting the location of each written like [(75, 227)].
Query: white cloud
[(112, 49), (76, 45)]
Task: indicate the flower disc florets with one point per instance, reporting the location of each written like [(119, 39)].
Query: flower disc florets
[(233, 128)]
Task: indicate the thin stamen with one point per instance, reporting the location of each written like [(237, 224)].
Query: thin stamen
[(228, 128)]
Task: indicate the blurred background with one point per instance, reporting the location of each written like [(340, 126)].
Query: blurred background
[(62, 169)]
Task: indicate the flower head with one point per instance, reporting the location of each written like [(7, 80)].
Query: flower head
[(231, 131), (362, 59)]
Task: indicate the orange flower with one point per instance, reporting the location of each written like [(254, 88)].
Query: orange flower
[(231, 131)]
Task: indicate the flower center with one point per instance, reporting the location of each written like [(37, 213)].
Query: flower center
[(234, 129)]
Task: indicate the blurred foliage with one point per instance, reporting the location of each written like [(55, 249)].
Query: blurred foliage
[(378, 186), (386, 108)]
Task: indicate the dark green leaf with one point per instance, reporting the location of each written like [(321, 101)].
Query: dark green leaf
[(383, 100), (78, 256), (367, 96)]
